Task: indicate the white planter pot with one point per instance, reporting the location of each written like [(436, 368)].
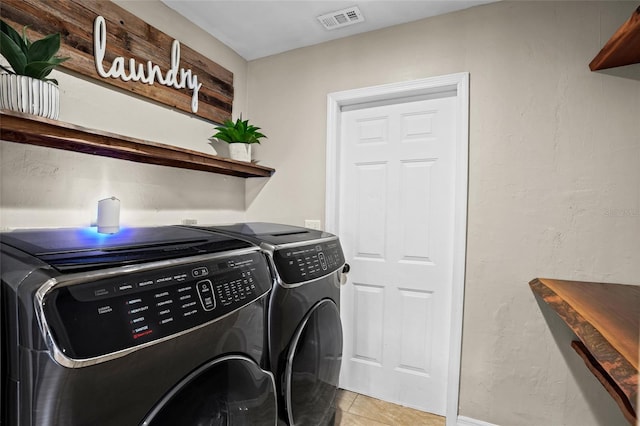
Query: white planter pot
[(240, 151), (29, 95)]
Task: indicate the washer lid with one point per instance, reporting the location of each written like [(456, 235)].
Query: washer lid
[(272, 233), (83, 248)]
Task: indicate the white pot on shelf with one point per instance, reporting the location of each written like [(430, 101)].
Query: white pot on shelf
[(240, 151), (29, 95)]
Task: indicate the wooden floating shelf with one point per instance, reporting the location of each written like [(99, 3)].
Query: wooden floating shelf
[(623, 48), (606, 319), (33, 130)]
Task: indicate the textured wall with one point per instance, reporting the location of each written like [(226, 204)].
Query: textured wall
[(554, 179), (41, 187), (554, 182)]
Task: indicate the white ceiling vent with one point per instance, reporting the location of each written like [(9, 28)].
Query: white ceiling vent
[(341, 18)]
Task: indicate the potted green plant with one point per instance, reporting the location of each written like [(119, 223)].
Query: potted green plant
[(25, 86), (240, 135)]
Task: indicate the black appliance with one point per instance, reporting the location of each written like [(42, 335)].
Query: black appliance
[(149, 326), (305, 332)]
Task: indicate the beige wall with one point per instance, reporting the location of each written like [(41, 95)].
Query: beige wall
[(42, 187), (554, 178)]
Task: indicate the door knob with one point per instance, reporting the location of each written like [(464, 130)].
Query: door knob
[(343, 274)]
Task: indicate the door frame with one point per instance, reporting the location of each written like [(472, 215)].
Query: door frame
[(458, 84)]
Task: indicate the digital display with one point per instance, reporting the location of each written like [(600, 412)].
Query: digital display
[(304, 263)]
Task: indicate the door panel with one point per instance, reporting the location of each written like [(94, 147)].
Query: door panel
[(396, 224), (371, 209), (414, 355), (368, 330), (414, 210)]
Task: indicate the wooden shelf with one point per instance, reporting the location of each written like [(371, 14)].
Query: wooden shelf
[(33, 130), (623, 48), (606, 319)]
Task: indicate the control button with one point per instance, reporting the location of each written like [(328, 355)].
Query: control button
[(104, 309), (138, 310), (145, 283), (205, 292), (200, 272), (163, 280), (142, 334), (125, 287)]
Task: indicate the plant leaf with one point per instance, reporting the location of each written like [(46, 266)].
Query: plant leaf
[(13, 35), (12, 53), (41, 69), (239, 131), (44, 49), (36, 59), (25, 40)]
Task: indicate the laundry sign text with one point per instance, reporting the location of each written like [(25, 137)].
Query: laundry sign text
[(148, 73), (128, 53)]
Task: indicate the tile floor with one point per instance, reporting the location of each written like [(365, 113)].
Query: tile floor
[(360, 410)]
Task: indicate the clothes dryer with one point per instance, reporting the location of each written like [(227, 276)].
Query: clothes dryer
[(150, 326), (305, 331)]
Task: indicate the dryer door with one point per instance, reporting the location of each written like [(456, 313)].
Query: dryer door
[(313, 366), (232, 390)]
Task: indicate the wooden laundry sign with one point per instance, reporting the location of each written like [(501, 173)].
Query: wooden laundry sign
[(109, 44), (174, 77)]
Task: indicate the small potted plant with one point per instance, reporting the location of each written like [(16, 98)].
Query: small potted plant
[(25, 86), (240, 135)]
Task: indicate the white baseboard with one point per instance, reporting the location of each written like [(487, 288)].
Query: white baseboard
[(466, 421)]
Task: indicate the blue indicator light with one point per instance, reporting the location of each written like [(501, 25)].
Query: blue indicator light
[(90, 236)]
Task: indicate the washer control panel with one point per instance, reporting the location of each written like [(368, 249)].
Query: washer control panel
[(308, 262), (111, 314)]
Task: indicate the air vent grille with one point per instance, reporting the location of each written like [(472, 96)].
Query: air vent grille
[(341, 18)]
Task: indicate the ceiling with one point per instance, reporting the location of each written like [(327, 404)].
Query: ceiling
[(259, 28)]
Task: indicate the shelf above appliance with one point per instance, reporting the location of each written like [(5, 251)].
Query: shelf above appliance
[(33, 130)]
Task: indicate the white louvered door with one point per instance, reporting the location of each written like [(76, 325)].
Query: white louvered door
[(397, 165)]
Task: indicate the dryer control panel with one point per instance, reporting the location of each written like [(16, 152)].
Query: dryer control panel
[(107, 315), (304, 263)]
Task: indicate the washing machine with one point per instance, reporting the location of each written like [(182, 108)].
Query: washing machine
[(149, 326), (304, 328)]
